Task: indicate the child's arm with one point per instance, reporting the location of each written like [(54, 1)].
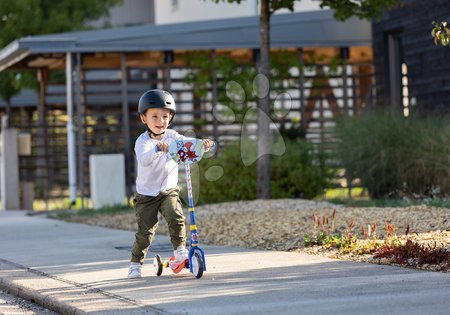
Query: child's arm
[(146, 152)]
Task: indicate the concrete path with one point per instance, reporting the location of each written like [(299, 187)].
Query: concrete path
[(75, 269)]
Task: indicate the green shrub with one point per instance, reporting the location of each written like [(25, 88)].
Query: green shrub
[(296, 173), (300, 172), (237, 183), (394, 155)]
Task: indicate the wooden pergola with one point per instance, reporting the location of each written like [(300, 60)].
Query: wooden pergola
[(154, 51)]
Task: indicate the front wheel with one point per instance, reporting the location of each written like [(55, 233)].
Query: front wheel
[(158, 265), (197, 265)]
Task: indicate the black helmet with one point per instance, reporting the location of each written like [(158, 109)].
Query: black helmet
[(156, 99)]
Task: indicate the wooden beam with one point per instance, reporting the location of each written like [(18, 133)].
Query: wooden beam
[(101, 60), (51, 61), (145, 59), (155, 59), (361, 54)]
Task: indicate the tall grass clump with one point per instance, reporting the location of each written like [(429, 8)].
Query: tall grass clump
[(297, 173), (394, 155)]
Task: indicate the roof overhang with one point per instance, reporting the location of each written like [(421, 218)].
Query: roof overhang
[(305, 29)]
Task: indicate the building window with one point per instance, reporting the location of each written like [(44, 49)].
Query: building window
[(405, 90), (396, 70)]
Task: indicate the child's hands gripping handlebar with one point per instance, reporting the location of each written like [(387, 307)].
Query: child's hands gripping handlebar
[(162, 146), (209, 146)]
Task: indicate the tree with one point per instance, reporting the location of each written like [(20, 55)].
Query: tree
[(34, 17), (9, 87), (344, 9)]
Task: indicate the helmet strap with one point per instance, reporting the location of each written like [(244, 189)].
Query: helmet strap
[(150, 132)]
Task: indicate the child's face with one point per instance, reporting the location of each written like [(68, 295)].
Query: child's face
[(157, 119)]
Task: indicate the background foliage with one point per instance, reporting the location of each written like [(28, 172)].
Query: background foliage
[(296, 174), (34, 17), (395, 156)]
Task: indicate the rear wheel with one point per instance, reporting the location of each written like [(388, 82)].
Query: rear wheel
[(158, 265), (197, 265)]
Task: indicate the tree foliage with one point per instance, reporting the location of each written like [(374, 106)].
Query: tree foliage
[(344, 9), (20, 18), (9, 85), (364, 9), (33, 17), (441, 33), (236, 79)]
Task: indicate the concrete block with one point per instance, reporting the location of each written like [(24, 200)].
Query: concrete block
[(107, 179), (26, 195), (9, 180)]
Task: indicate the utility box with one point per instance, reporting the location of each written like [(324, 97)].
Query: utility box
[(107, 179), (24, 144)]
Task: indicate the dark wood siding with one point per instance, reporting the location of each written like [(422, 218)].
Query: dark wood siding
[(428, 65)]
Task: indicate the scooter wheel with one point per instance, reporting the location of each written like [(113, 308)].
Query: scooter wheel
[(197, 265), (158, 265)]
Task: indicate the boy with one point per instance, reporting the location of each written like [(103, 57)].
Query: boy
[(157, 179)]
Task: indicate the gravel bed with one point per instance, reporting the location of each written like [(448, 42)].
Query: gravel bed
[(281, 224), (12, 305)]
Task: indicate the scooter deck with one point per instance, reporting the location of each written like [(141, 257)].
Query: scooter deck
[(176, 268)]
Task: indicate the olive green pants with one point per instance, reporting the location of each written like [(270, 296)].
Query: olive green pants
[(147, 209)]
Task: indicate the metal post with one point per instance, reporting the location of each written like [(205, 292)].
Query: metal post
[(42, 135), (71, 145), (193, 226), (214, 94), (126, 123), (301, 75), (80, 133)]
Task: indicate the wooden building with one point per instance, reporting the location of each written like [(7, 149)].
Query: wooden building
[(95, 109)]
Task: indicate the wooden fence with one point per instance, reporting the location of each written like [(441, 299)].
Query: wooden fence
[(310, 104)]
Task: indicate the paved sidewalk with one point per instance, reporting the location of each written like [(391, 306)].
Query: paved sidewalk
[(77, 269)]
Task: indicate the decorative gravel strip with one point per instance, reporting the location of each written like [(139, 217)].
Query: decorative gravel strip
[(281, 224)]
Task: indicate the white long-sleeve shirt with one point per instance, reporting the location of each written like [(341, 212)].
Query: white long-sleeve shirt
[(156, 171)]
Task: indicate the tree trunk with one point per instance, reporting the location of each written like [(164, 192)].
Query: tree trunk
[(263, 183), (8, 113)]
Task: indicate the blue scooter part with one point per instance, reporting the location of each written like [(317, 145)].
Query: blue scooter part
[(197, 263)]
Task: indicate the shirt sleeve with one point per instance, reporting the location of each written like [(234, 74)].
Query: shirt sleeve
[(146, 152), (173, 135)]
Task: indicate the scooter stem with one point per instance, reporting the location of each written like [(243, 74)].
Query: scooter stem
[(192, 226)]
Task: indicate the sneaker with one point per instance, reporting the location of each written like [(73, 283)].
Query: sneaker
[(181, 254), (135, 270)]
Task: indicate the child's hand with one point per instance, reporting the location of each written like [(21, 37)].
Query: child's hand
[(208, 143), (162, 146)]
